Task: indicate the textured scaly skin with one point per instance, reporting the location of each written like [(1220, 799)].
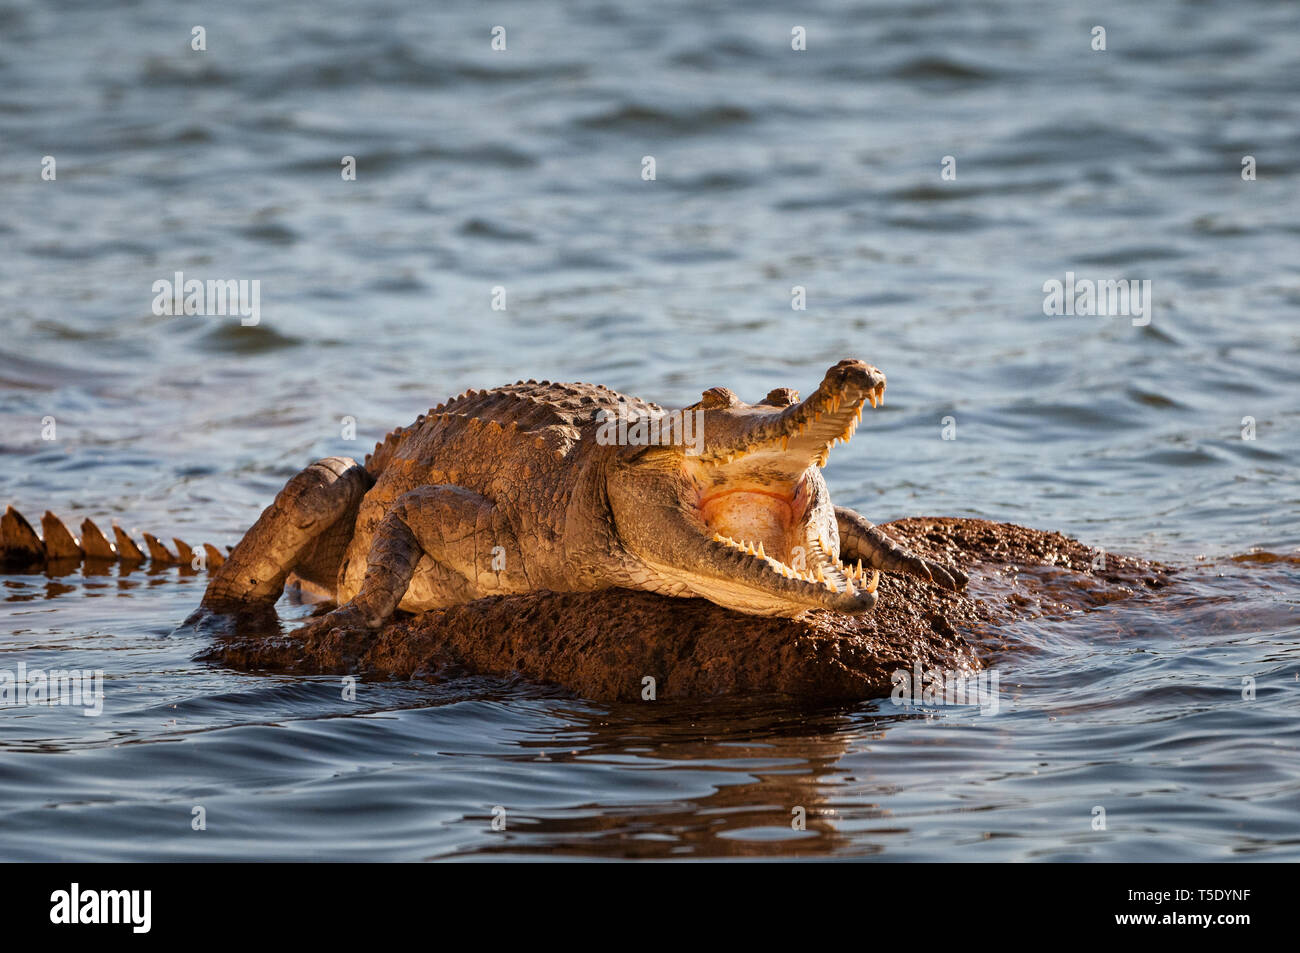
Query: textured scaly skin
[(509, 490)]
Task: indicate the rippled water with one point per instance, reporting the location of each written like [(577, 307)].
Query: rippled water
[(774, 168)]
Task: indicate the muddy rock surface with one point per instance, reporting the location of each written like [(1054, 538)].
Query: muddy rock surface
[(602, 645)]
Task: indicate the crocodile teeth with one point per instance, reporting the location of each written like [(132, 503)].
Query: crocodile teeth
[(858, 414), (875, 580), (871, 396)]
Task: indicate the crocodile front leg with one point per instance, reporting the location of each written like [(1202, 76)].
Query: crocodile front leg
[(309, 505), (862, 539), (457, 529)]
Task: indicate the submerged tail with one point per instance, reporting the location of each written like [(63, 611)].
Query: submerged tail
[(22, 550)]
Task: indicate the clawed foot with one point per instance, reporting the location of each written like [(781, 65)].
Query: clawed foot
[(236, 622), (345, 620), (952, 579)]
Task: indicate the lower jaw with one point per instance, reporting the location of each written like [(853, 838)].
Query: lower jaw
[(764, 603)]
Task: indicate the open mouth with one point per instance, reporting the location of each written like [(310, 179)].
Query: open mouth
[(756, 501)]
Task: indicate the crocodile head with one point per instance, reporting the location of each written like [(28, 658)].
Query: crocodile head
[(735, 509)]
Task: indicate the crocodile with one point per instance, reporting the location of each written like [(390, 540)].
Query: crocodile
[(568, 488)]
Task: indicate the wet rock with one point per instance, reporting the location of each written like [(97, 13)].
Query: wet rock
[(604, 645)]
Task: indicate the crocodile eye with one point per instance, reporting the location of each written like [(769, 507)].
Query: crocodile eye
[(719, 397), (781, 397)]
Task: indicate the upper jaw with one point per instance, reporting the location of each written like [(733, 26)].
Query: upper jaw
[(804, 432)]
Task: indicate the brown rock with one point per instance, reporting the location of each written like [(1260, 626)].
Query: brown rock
[(601, 645)]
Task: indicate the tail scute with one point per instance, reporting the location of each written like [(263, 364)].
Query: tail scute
[(157, 551), (22, 548), (127, 550), (183, 551), (94, 543), (18, 541), (59, 542)]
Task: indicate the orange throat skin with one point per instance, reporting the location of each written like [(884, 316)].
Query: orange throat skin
[(761, 516)]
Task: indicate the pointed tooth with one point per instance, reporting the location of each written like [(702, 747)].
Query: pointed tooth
[(859, 569), (760, 549), (59, 543), (821, 577), (215, 556), (875, 580), (858, 414), (94, 543), (18, 541), (157, 551), (126, 546), (785, 443)]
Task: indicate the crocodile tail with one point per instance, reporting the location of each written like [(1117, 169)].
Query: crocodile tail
[(22, 549)]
